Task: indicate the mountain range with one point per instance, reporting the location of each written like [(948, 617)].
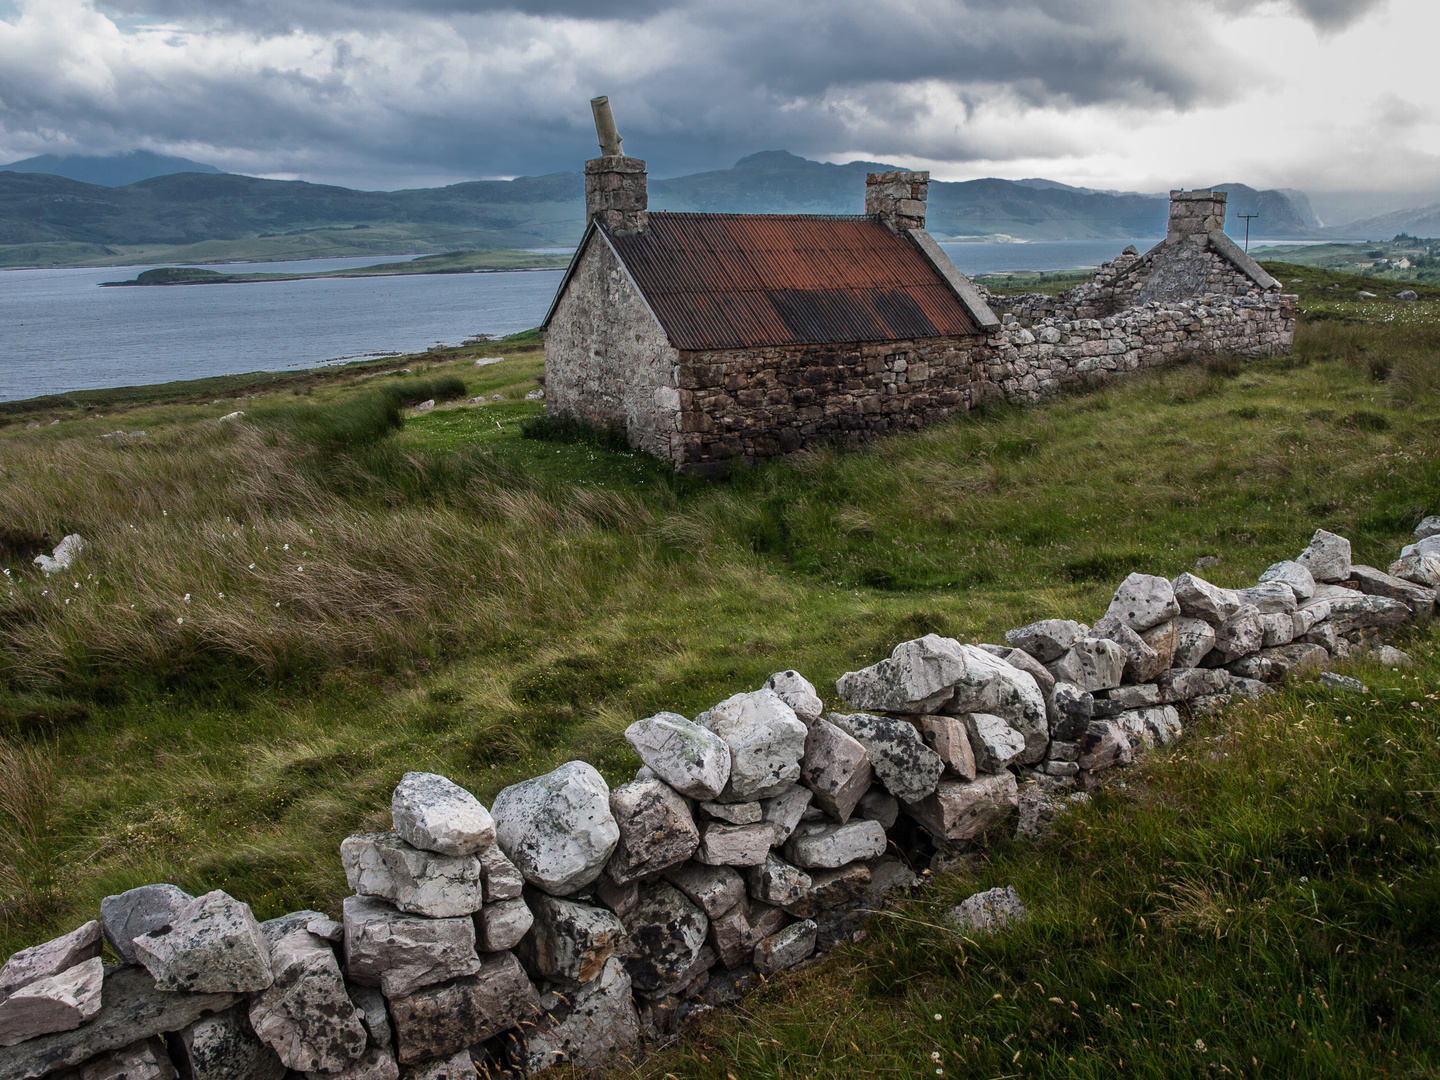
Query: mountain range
[(202, 214)]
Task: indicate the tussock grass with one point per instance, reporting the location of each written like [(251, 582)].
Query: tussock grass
[(487, 606)]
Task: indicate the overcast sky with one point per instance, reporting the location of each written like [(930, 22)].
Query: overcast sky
[(1323, 95)]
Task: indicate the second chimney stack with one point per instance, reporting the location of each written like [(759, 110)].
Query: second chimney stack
[(897, 198)]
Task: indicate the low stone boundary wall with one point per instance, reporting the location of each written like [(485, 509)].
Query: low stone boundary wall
[(573, 923)]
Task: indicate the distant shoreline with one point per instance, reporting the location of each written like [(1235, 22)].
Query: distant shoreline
[(494, 261)]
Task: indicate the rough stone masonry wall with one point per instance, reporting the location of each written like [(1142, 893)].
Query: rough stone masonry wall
[(618, 366), (754, 403), (576, 923)]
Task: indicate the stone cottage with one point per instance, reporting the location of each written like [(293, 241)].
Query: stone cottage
[(712, 337)]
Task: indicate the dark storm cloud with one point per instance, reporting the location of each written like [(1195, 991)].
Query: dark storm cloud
[(486, 87)]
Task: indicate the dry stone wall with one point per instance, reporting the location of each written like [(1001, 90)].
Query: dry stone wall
[(572, 922)]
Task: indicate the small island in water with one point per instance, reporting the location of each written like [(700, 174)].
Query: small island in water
[(451, 262)]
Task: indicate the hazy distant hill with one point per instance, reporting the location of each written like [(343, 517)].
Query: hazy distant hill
[(1279, 218), (193, 216), (1421, 221), (114, 170)]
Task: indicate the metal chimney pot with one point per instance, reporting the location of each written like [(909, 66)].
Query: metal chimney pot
[(605, 127)]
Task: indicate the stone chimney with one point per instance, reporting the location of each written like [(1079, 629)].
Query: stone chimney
[(897, 198), (1194, 215), (615, 185)]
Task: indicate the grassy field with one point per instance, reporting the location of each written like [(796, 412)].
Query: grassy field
[(279, 616)]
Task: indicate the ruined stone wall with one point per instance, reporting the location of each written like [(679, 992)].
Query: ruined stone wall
[(755, 403), (606, 358)]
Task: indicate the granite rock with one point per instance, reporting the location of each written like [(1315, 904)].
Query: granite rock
[(502, 925), (59, 1002), (1294, 574), (994, 742), (733, 845), (436, 814), (214, 945), (988, 912), (961, 810), (500, 879), (817, 844), (1198, 599), (422, 882), (400, 952), (1048, 639), (656, 830), (224, 1047), (690, 758), (836, 768), (128, 915), (441, 1020), (786, 948), (766, 740), (50, 958), (898, 756), (777, 883), (949, 738), (665, 933), (716, 889), (1327, 558), (918, 677), (557, 829), (1194, 640), (1070, 711), (305, 1015), (797, 692), (1091, 664), (595, 1028), (784, 812), (1142, 601), (569, 942)]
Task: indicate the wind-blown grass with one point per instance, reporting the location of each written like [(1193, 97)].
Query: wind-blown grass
[(457, 598)]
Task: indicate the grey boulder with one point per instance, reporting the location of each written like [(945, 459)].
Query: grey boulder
[(690, 758), (1103, 746), (766, 740), (436, 814), (1142, 601), (991, 685), (948, 737), (557, 828), (1048, 639), (836, 768), (1142, 663), (1327, 558), (994, 742), (1428, 527), (1296, 575), (50, 957), (214, 945), (1070, 712), (716, 889), (422, 882), (782, 813), (665, 934), (1270, 597), (656, 830), (988, 912), (898, 755), (786, 948), (132, 1008), (400, 952), (733, 845), (143, 1060), (438, 1021), (1154, 726), (569, 942), (593, 1028), (59, 1002), (797, 692), (1198, 599), (224, 1047), (960, 810), (777, 883), (502, 925), (1194, 640), (128, 915), (500, 879), (1242, 633), (305, 1015), (918, 677), (1091, 664), (816, 844)]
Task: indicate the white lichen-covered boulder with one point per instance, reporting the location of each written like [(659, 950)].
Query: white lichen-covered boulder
[(400, 952), (593, 1028), (1193, 642), (898, 755), (665, 934), (1198, 599), (1142, 601), (766, 740), (557, 829), (1327, 558), (988, 912), (1047, 639), (1091, 664), (690, 758), (1294, 574), (214, 945), (798, 692), (963, 810), (918, 677), (422, 882), (1243, 632), (823, 845), (569, 941), (436, 814), (305, 1015), (993, 741)]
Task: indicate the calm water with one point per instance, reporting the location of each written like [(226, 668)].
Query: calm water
[(59, 332)]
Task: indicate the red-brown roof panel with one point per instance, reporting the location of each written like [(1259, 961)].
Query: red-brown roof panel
[(725, 281)]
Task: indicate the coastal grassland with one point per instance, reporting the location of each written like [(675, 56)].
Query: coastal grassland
[(312, 617)]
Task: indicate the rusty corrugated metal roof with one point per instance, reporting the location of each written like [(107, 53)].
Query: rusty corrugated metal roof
[(723, 281)]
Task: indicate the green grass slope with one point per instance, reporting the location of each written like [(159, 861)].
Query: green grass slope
[(281, 615)]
